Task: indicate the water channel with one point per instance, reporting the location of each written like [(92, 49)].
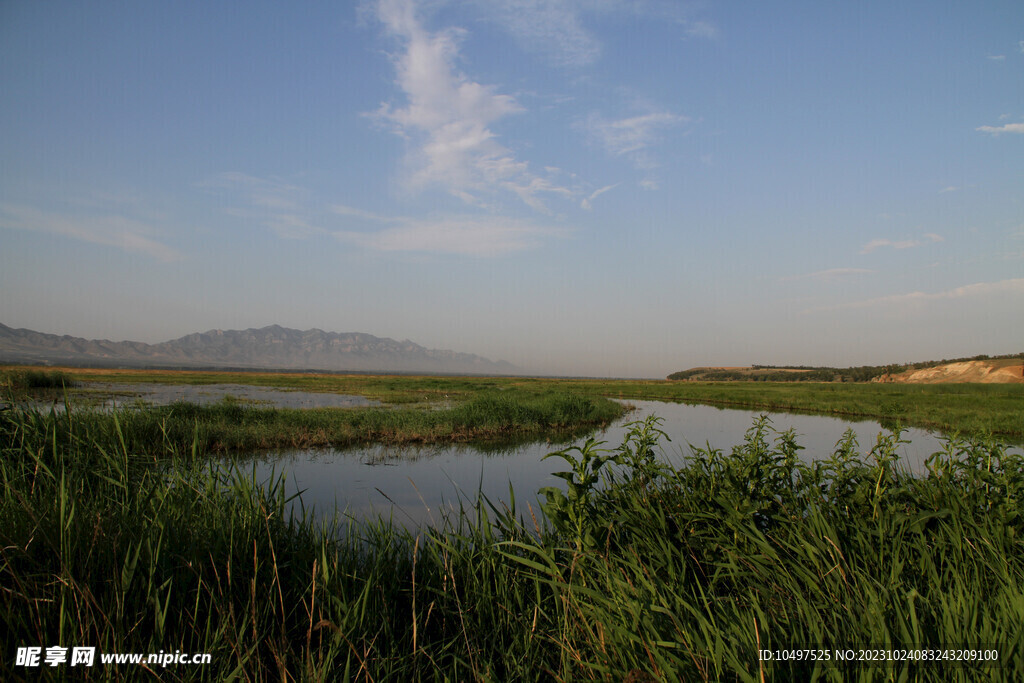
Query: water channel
[(419, 485)]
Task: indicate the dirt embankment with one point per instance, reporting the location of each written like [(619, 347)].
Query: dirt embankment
[(1001, 371)]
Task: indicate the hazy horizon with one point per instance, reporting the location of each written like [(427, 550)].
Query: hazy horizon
[(586, 189)]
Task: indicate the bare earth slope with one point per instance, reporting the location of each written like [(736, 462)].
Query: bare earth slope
[(1004, 370)]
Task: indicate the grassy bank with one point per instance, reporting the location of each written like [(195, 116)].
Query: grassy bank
[(235, 426), (969, 409), (658, 574)]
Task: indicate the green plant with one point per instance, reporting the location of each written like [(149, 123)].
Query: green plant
[(639, 450), (571, 511)]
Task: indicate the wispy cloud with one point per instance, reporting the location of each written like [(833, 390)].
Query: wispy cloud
[(274, 202), (552, 28), (701, 29), (996, 58), (110, 230), (830, 274), (997, 130), (929, 238), (632, 136), (468, 236), (949, 188), (978, 289), (294, 213), (556, 29), (622, 136), (587, 205), (342, 210), (448, 118), (272, 193)]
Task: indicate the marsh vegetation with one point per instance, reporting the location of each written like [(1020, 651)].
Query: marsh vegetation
[(632, 568), (967, 409)]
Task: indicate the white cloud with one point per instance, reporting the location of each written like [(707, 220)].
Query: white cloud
[(468, 236), (1008, 128), (949, 188), (528, 192), (448, 118), (874, 244), (830, 274), (587, 202), (979, 289), (109, 230), (997, 58)]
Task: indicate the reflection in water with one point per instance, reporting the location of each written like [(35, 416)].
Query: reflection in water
[(419, 484)]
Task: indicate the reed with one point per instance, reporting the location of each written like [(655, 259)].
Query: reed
[(22, 380), (232, 425)]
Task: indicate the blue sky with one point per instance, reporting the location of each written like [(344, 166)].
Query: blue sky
[(608, 188)]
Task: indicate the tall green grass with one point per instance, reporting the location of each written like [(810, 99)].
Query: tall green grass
[(702, 566), (33, 378), (232, 425), (663, 574)]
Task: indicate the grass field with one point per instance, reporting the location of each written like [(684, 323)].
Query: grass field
[(656, 574)]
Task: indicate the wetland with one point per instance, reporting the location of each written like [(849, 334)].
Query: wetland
[(699, 533)]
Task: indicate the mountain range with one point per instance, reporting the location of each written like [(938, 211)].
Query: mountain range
[(273, 347)]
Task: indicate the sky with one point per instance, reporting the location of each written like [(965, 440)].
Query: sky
[(602, 188)]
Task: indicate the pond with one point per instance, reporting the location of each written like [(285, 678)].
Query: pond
[(419, 485)]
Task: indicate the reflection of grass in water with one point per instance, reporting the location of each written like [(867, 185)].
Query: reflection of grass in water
[(671, 574), (397, 454)]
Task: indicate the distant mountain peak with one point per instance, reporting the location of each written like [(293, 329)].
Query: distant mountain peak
[(270, 347)]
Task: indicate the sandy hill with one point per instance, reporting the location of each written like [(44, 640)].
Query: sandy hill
[(1002, 370)]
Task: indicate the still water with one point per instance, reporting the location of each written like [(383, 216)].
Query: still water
[(418, 485)]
